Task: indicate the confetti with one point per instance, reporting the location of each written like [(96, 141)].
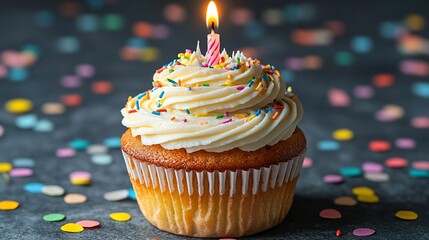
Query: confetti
[(112, 142), (74, 198), (363, 232), (54, 217), (363, 92), (120, 216), (17, 74), (343, 134), (53, 190), (330, 214), (308, 162), (68, 44), (421, 89), (71, 81), (328, 145), (132, 194), (350, 172), (421, 165), (368, 198), (372, 167), (96, 149), (88, 223), (112, 22), (27, 121), (117, 195), (53, 108), (335, 179), (383, 80), (175, 13), (363, 191), (34, 187), (72, 100), (18, 106), (65, 152), (406, 215), (8, 205), (416, 173), (390, 113), (87, 23), (338, 97), (1, 131), (101, 159), (79, 144), (396, 162), (379, 146), (415, 22), (21, 172), (72, 228), (362, 44), (102, 87), (44, 125), (345, 201), (420, 122), (405, 143), (376, 177), (344, 58), (5, 167)]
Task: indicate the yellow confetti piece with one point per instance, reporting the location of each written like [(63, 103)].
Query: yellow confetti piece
[(120, 216), (8, 205), (18, 105), (406, 215), (363, 191), (5, 167), (368, 198), (415, 22), (78, 181), (343, 134), (71, 228)]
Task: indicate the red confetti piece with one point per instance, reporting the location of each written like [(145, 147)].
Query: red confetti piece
[(383, 80), (308, 162), (72, 100), (330, 214), (379, 146), (102, 87), (421, 165), (338, 233), (396, 162)]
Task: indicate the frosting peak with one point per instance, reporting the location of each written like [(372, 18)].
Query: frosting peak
[(238, 103)]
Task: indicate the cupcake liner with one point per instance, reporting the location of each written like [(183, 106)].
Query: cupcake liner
[(252, 180)]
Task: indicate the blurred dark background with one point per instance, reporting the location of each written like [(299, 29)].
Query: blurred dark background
[(336, 55)]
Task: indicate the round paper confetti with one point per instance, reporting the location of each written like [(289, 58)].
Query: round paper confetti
[(96, 149), (345, 201), (53, 108), (308, 162), (383, 80), (44, 125), (363, 232), (335, 179), (23, 162), (344, 58), (328, 145), (343, 134), (350, 172), (405, 143), (120, 216), (407, 215), (379, 146), (421, 89), (88, 223), (65, 152), (396, 162), (363, 191), (79, 144), (85, 70), (71, 81), (330, 214), (363, 92), (27, 121), (72, 100), (72, 228), (117, 195), (54, 217), (112, 142), (372, 167), (102, 87), (421, 165), (416, 173), (112, 22), (68, 44), (101, 159), (34, 187), (8, 205), (80, 175), (74, 198), (368, 198), (53, 190), (21, 172), (338, 97), (376, 177), (420, 122), (362, 44), (5, 167), (18, 106)]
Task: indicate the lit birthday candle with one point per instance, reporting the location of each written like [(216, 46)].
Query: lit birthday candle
[(213, 39)]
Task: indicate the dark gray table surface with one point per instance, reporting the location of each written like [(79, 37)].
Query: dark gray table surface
[(99, 117)]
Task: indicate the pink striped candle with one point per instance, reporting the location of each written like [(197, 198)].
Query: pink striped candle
[(213, 39)]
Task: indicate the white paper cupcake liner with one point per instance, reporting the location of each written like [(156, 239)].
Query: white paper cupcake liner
[(264, 177)]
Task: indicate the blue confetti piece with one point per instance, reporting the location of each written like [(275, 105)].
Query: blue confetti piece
[(254, 29), (44, 19), (417, 173), (101, 159), (112, 142), (350, 171), (79, 144), (287, 75), (421, 89), (389, 29), (137, 43), (44, 125), (328, 145), (31, 48), (132, 194), (68, 44), (34, 187), (291, 13), (17, 74), (87, 23), (362, 44), (23, 163), (27, 121)]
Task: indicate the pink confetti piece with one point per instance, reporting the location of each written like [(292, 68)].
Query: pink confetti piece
[(3, 71), (396, 162), (405, 143), (421, 165), (334, 179), (88, 223), (294, 64), (420, 122), (65, 152), (330, 214), (80, 175), (21, 172), (338, 97), (308, 162), (85, 70), (372, 167), (363, 232), (239, 88), (363, 91), (70, 81)]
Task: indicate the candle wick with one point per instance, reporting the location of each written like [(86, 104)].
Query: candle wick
[(213, 27)]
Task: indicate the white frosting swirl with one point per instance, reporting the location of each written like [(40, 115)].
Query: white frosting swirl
[(214, 109)]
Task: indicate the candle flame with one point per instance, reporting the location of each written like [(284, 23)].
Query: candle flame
[(212, 17)]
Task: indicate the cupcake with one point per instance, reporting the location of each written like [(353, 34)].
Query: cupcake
[(214, 151)]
